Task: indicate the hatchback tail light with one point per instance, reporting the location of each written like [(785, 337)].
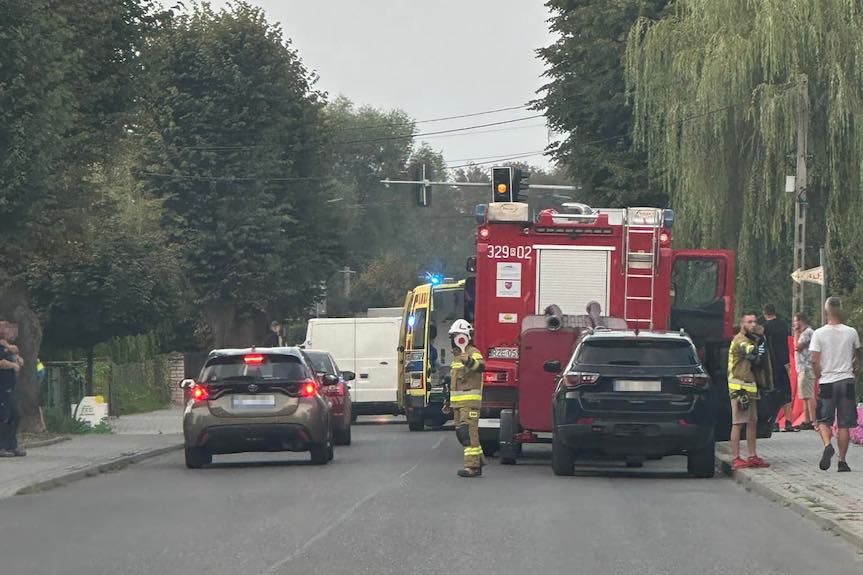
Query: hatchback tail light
[(337, 390), (495, 377), (200, 393), (579, 378), (253, 359), (308, 388), (694, 380)]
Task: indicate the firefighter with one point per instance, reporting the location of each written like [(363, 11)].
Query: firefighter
[(466, 395)]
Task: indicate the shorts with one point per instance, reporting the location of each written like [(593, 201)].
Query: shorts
[(805, 384), (837, 401), (741, 416)]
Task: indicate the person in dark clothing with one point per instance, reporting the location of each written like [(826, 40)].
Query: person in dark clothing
[(274, 337), (10, 365), (777, 332)]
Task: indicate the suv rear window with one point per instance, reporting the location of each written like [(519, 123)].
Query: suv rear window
[(321, 363), (274, 367), (651, 353)]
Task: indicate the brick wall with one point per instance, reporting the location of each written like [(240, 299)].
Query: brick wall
[(176, 373)]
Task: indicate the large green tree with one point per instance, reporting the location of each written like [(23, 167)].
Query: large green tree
[(68, 81), (717, 89), (236, 149), (585, 98)]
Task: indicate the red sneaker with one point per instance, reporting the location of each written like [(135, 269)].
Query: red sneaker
[(739, 463), (755, 461)]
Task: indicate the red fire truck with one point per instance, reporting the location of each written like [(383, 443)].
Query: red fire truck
[(620, 258)]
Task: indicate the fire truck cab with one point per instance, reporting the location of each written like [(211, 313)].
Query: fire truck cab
[(621, 259)]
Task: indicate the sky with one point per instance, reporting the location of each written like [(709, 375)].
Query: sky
[(433, 59)]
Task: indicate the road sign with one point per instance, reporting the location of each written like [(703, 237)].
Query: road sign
[(812, 275)]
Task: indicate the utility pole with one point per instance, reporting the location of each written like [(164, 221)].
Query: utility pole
[(801, 183), (347, 277)]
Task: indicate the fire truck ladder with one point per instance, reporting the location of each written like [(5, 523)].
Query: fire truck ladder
[(641, 244)]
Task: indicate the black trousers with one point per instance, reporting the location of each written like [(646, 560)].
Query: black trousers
[(9, 419)]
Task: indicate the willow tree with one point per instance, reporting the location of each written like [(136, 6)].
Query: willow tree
[(717, 88)]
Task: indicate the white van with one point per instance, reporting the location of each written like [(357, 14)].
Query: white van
[(366, 346)]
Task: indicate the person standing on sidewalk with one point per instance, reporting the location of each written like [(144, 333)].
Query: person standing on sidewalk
[(747, 357), (777, 333), (10, 366), (803, 361), (836, 358)]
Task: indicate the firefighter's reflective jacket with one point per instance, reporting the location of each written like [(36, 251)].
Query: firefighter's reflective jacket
[(466, 379), (748, 364)]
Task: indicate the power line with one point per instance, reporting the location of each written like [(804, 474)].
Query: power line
[(451, 130), (441, 119)]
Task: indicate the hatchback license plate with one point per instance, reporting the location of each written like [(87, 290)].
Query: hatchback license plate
[(253, 401), (637, 385)]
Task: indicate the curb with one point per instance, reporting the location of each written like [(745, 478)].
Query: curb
[(750, 483), (115, 464), (45, 442)]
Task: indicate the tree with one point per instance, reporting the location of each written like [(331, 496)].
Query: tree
[(716, 89), (237, 149), (67, 85), (585, 98)]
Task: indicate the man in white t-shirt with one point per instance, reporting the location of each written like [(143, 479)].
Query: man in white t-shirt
[(835, 349)]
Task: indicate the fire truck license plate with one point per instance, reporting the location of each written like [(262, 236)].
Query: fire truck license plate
[(637, 385)]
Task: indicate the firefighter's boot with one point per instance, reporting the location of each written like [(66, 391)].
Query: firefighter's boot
[(470, 472)]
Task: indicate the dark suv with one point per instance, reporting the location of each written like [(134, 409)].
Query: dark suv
[(264, 399), (635, 395)]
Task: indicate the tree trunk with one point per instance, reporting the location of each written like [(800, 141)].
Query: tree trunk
[(231, 329), (29, 341)]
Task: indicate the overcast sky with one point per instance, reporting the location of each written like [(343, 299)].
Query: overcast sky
[(431, 58)]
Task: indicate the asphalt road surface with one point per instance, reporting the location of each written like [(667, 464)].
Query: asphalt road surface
[(392, 503)]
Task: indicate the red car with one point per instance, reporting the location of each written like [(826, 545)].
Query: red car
[(334, 386)]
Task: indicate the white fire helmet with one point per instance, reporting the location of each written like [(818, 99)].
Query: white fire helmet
[(461, 326)]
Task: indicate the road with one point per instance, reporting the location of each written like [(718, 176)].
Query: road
[(391, 503)]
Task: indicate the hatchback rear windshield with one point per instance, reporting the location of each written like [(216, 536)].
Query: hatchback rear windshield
[(274, 367), (636, 352)]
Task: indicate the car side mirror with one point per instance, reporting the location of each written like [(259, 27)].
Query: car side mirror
[(330, 379), (552, 366), (187, 383), (349, 375)]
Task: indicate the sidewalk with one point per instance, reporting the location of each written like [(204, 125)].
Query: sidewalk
[(135, 438), (164, 421), (833, 500)]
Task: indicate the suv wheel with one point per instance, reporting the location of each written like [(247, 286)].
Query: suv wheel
[(197, 457), (342, 436), (562, 457), (321, 453), (702, 462)]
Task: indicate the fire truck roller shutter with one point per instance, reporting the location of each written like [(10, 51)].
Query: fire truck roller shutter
[(571, 278)]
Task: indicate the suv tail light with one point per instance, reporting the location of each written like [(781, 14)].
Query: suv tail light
[(253, 359), (495, 377), (308, 388), (696, 380), (579, 378), (200, 393), (337, 390)]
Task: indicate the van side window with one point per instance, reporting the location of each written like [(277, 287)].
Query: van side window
[(417, 327)]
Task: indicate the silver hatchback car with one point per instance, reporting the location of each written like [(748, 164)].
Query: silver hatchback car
[(256, 399)]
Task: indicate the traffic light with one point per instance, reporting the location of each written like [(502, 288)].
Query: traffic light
[(423, 191), (519, 183), (501, 181)]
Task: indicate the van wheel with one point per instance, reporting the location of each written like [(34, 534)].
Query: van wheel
[(562, 458), (197, 457), (416, 420), (702, 462), (342, 436), (321, 452)]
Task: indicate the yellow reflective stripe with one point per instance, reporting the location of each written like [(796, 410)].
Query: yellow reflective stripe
[(466, 397), (457, 365), (735, 385), (473, 450)]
